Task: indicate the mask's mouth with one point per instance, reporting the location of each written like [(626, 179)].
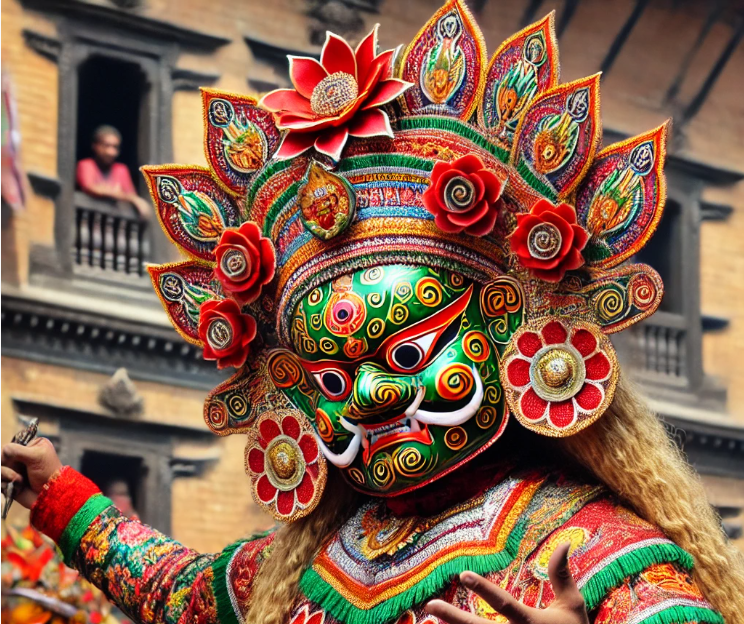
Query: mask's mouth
[(411, 427)]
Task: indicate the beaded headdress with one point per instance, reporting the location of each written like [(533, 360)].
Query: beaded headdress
[(430, 155)]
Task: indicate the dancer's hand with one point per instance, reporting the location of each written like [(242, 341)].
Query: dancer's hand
[(29, 468), (567, 608)]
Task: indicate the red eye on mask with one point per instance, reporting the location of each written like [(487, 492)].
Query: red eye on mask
[(333, 381), (411, 349)]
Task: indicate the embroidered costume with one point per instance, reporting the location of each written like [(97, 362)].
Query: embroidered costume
[(396, 255)]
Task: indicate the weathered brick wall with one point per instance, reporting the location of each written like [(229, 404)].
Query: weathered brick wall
[(207, 511)]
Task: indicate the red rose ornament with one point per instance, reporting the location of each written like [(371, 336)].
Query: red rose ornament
[(245, 262), (335, 98), (548, 240), (463, 196), (226, 332)]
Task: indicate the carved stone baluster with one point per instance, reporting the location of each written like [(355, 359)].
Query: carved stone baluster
[(91, 237), (79, 217), (651, 335), (663, 350), (673, 344)]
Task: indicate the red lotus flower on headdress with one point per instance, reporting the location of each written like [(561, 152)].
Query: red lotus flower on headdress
[(226, 332), (245, 262), (548, 240), (463, 195), (336, 97)]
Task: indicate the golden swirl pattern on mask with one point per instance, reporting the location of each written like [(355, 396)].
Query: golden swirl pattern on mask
[(328, 346), (398, 314), (501, 296), (456, 438), (376, 299), (372, 276), (486, 417), (316, 322), (375, 328), (382, 473), (238, 405), (409, 462), (456, 280), (315, 296), (403, 291), (355, 347), (493, 394), (217, 414), (475, 346), (429, 292), (286, 371), (323, 426), (455, 382), (356, 475)]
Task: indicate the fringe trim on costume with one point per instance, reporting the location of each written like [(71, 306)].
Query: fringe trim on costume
[(596, 588), (221, 587), (320, 592), (457, 127), (535, 182), (682, 614), (80, 523)]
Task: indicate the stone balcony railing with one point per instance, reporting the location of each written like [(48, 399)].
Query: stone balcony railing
[(109, 235), (660, 348)]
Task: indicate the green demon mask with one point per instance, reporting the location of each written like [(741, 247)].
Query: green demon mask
[(397, 368)]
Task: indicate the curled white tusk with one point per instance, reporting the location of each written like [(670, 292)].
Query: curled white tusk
[(344, 459), (413, 407), (451, 419)]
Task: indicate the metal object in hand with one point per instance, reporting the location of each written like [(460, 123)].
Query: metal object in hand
[(23, 438)]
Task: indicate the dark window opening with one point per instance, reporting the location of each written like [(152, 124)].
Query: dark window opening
[(111, 92), (664, 253), (104, 469)]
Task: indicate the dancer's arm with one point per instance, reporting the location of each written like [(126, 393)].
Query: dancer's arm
[(150, 577)]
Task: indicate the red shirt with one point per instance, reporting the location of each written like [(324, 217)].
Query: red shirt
[(90, 175)]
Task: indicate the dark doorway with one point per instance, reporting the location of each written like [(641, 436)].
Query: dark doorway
[(664, 253), (106, 468), (112, 92)]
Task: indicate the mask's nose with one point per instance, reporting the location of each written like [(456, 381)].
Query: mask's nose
[(379, 395)]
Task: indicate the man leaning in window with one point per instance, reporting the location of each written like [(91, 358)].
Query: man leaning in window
[(102, 176)]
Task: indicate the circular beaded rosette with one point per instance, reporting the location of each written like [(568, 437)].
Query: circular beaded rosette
[(288, 473), (560, 375)]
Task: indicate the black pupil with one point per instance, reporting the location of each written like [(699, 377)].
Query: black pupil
[(407, 356), (343, 314), (333, 383)]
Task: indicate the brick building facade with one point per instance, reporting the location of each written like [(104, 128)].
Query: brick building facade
[(71, 318)]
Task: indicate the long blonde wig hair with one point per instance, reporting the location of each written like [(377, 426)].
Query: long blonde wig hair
[(627, 449)]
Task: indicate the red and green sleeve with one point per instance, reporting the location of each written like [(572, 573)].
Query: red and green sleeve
[(153, 579)]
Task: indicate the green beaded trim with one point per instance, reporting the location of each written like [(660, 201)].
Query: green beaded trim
[(535, 183), (278, 205), (80, 523), (457, 127), (262, 178), (396, 161)]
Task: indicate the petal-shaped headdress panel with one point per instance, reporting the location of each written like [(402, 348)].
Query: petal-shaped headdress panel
[(523, 67)]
